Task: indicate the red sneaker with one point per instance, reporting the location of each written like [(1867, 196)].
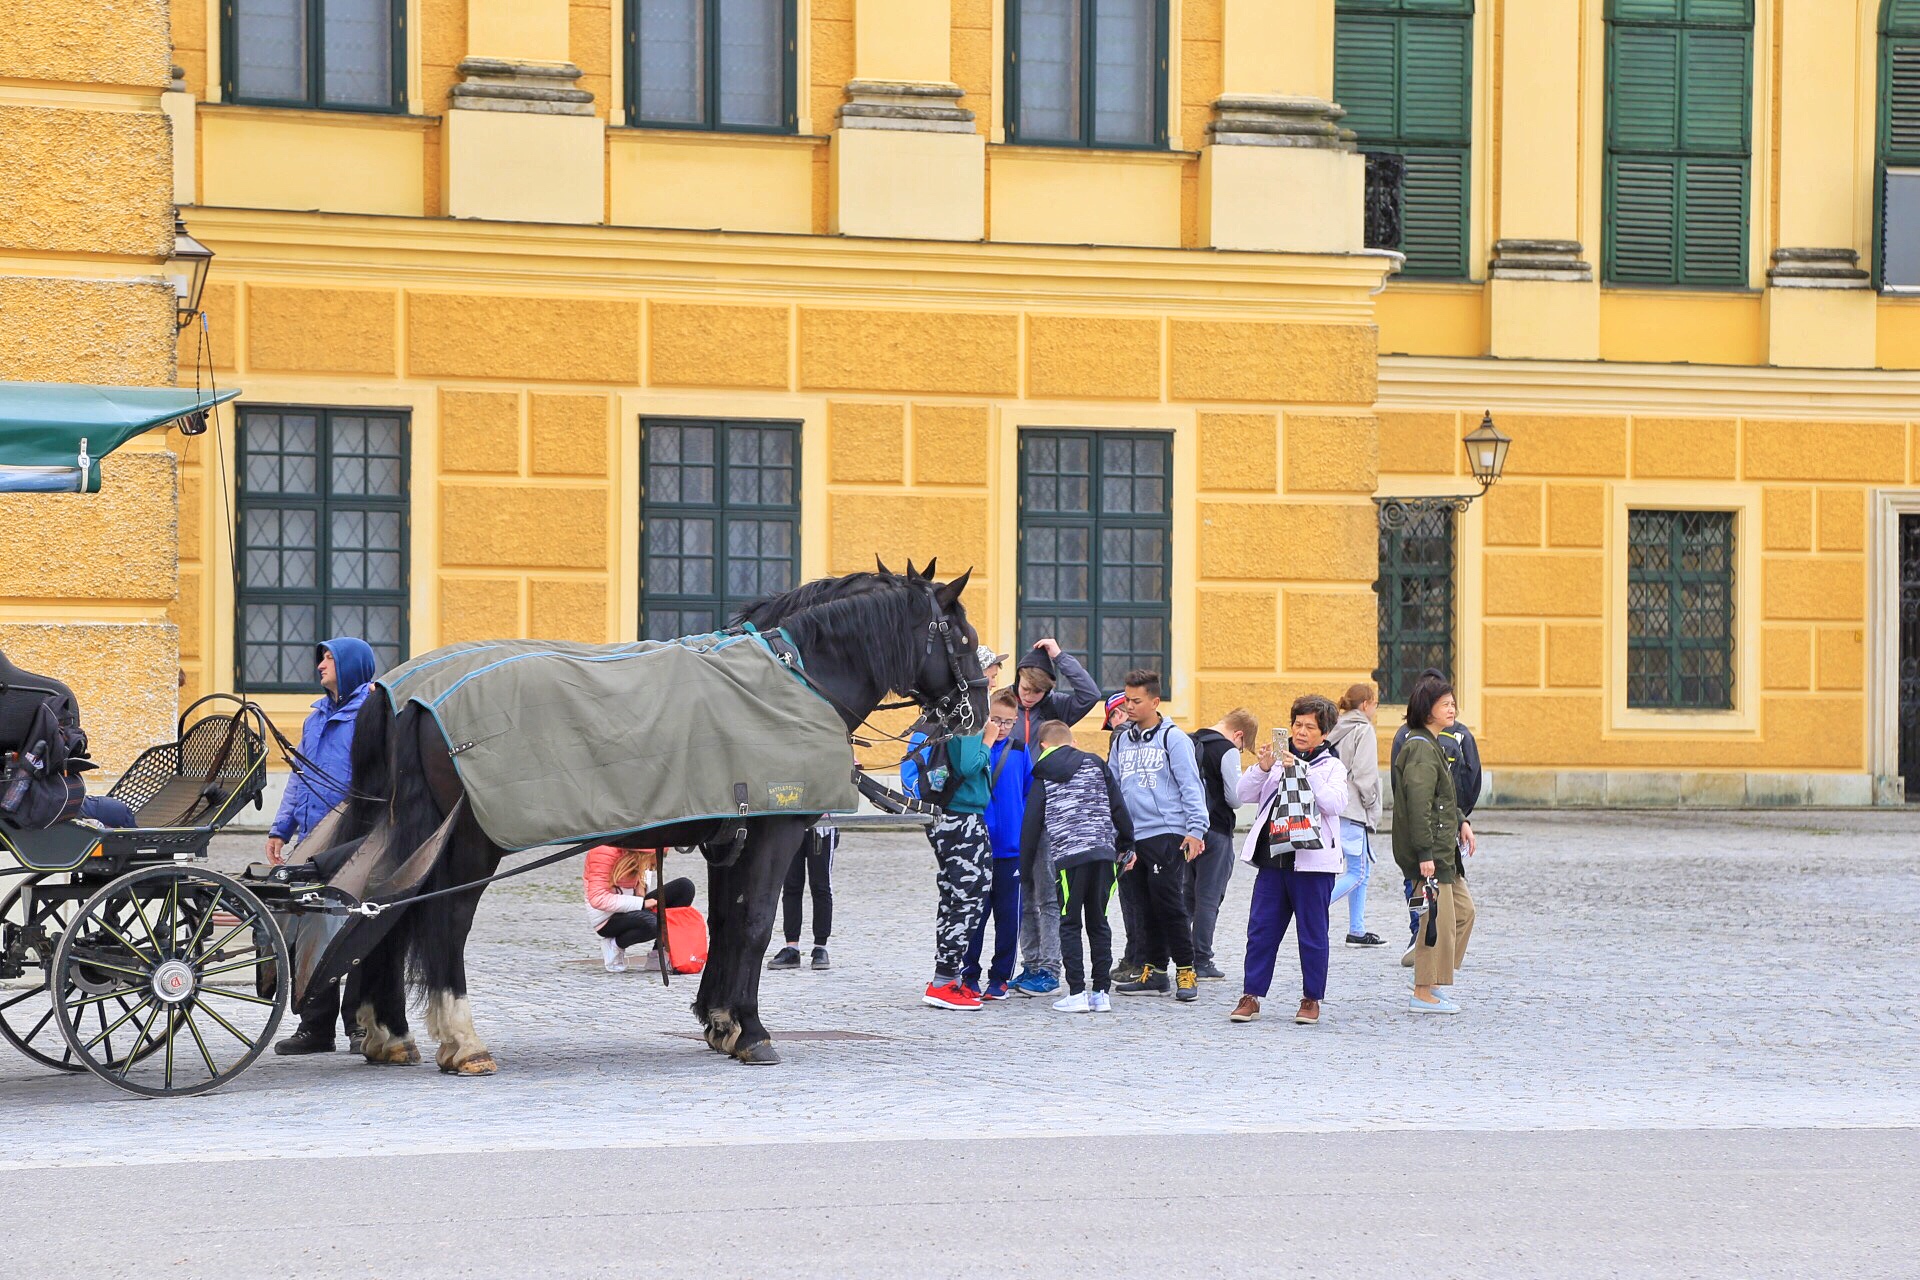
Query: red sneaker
[(950, 995)]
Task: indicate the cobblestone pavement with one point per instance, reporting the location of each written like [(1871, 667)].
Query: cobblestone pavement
[(1629, 971)]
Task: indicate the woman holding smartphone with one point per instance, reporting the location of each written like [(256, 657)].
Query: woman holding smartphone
[(1428, 847)]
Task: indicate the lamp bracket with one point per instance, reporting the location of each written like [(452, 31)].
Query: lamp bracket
[(1395, 513)]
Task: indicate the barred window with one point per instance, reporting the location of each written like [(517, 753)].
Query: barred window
[(322, 540), (1415, 594), (1680, 610), (1095, 538), (721, 520), (340, 54)]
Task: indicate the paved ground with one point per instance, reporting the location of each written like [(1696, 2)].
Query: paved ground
[(1631, 973)]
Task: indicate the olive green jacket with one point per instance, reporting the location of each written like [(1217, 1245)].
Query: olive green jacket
[(1426, 812)]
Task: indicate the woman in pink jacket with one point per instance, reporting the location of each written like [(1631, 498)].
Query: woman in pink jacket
[(1293, 887), (621, 916)]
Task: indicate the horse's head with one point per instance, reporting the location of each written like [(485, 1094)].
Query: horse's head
[(948, 682)]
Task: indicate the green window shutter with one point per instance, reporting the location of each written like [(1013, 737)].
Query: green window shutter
[(1728, 12), (1645, 67), (1643, 237), (1714, 101), (1436, 70), (1645, 11), (1433, 213), (1713, 240), (1902, 132), (1365, 69)]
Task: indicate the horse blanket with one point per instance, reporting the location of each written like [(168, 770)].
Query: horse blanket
[(558, 742)]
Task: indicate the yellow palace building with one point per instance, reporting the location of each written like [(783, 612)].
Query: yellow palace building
[(589, 320)]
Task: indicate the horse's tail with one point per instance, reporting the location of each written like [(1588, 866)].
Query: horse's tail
[(431, 935), (369, 781)]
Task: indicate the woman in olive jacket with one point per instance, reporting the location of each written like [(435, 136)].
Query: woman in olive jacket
[(1427, 845)]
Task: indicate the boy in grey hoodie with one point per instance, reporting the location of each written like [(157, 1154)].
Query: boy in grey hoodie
[(1074, 810), (1159, 778)]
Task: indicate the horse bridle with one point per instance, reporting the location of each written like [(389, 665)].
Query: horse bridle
[(952, 710)]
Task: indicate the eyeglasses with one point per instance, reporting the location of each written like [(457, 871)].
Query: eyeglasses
[(1002, 721)]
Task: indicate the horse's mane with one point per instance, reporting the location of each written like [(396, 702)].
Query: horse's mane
[(877, 629), (773, 611)]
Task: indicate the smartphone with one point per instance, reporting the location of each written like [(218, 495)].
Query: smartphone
[(1279, 739)]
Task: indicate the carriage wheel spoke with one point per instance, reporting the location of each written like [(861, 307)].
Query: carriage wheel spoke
[(232, 995), (91, 962), (108, 1031), (141, 912), (133, 1054), (255, 962), (206, 1057), (213, 951), (205, 919), (105, 995), (44, 1019), (129, 944), (24, 995)]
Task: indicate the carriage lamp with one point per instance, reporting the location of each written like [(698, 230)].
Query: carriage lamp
[(1486, 449), (187, 269)]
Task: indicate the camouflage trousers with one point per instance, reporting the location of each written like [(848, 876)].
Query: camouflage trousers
[(964, 857)]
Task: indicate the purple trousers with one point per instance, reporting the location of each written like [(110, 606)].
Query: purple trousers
[(1281, 898)]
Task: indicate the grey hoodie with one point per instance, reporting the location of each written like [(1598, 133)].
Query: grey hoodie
[(1160, 781), (1359, 749)]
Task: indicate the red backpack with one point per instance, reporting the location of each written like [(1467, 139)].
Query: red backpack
[(683, 937)]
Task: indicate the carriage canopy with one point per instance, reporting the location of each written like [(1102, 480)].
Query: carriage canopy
[(559, 742), (53, 434)]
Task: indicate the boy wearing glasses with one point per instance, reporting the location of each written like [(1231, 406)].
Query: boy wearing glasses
[(1009, 773)]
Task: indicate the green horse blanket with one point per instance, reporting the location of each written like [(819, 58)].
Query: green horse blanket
[(558, 742)]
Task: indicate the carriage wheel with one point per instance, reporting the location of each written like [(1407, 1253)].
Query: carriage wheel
[(31, 922), (185, 950)]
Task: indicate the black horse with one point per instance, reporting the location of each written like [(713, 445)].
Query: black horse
[(859, 638)]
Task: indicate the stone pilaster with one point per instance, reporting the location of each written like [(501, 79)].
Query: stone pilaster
[(1554, 260), (1278, 173), (907, 160)]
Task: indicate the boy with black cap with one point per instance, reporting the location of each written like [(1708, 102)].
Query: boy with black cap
[(1037, 687)]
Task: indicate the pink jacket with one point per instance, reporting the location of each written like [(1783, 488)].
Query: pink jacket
[(605, 899), (1328, 778)]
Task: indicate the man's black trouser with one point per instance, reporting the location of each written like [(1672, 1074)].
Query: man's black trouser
[(812, 861), (1167, 908), (1084, 892)]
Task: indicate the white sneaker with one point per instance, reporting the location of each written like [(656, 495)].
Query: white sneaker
[(616, 955), (1099, 1002), (1073, 1004)]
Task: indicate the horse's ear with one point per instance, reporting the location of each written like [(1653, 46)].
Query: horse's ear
[(949, 595), (927, 572), (881, 565), (912, 573)]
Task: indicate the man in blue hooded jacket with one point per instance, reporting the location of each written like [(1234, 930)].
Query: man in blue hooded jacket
[(346, 668)]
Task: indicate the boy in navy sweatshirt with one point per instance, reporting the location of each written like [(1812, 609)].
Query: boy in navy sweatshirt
[(1074, 807)]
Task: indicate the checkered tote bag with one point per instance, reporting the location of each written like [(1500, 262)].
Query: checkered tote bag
[(1291, 822)]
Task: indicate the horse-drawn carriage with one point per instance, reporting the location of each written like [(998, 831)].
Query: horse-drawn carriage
[(118, 954)]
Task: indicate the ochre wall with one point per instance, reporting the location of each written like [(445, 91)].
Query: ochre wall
[(87, 582)]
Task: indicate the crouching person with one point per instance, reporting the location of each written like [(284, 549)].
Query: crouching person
[(622, 913)]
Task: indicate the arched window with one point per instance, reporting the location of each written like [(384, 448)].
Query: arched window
[(1897, 195), (1403, 69), (1679, 141)]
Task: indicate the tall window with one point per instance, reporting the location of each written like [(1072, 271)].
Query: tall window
[(347, 55), (1679, 105), (1087, 73), (711, 64), (1096, 528), (721, 517), (1403, 69), (1415, 591), (1680, 609), (1898, 224), (322, 542)]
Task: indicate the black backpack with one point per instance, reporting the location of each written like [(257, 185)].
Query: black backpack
[(932, 756), (41, 784)]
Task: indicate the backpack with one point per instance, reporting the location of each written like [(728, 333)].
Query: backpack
[(683, 936), (38, 788), (939, 783)]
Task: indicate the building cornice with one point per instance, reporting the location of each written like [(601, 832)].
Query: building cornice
[(609, 262), (1603, 387)]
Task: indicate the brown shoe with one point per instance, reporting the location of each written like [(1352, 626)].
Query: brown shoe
[(1246, 1011), (1308, 1014)]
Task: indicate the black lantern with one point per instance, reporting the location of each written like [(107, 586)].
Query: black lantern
[(187, 269), (1486, 459), (1486, 452)]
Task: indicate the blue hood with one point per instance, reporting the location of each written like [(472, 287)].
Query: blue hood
[(353, 662)]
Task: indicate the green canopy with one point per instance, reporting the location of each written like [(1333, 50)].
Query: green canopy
[(53, 434)]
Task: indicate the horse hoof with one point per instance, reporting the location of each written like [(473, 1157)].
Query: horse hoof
[(480, 1064), (401, 1053), (762, 1054)]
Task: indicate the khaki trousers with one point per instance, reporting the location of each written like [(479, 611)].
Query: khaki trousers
[(1434, 966)]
